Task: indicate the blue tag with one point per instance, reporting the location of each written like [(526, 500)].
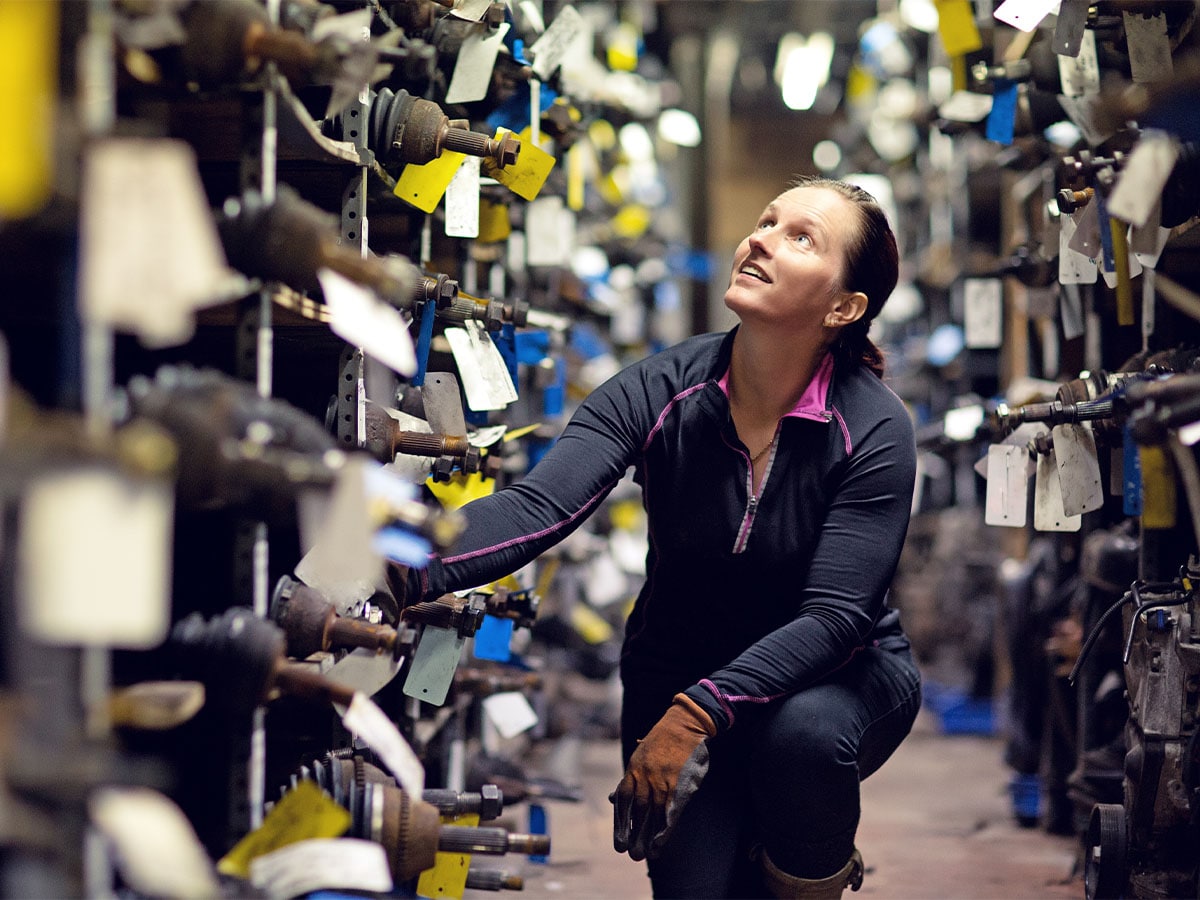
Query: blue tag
[(1106, 244), (402, 546), (1131, 479), (493, 638), (424, 339), (538, 823), (1004, 111), (506, 342)]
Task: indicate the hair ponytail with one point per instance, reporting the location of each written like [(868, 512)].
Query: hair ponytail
[(872, 267)]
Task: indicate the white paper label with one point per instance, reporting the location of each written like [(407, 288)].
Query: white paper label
[(1048, 513), (1149, 47), (983, 312), (95, 559), (322, 864), (361, 319), (462, 200), (550, 49), (549, 228), (1080, 74), (342, 565), (485, 378), (474, 64), (1024, 14), (966, 106), (1007, 485), (150, 252), (1143, 177), (510, 712), (1154, 240), (1078, 468), (1073, 267), (369, 722)]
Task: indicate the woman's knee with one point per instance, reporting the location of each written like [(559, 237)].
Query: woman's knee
[(806, 732)]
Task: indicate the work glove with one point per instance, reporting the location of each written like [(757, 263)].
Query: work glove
[(663, 774)]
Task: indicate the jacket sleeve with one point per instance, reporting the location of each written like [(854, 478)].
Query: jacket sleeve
[(515, 525), (842, 593)]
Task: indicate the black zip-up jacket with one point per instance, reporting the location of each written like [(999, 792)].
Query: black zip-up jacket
[(747, 597)]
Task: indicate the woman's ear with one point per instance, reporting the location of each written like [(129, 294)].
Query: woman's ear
[(847, 308)]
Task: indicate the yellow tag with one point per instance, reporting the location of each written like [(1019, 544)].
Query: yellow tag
[(28, 88), (448, 877), (622, 48), (1158, 488), (602, 134), (575, 178), (517, 433), (589, 624), (302, 813), (1121, 261), (526, 176), (494, 224), (423, 186), (626, 515), (631, 221), (460, 490), (956, 25), (861, 85), (958, 73)]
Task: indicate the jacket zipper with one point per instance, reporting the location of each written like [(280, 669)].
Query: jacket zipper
[(743, 535)]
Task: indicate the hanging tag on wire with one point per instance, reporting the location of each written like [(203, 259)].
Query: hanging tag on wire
[(1007, 499), (1079, 73), (474, 64), (983, 312), (1048, 513), (1143, 177), (462, 200), (1003, 116), (1074, 267), (433, 665), (551, 48), (1078, 468), (482, 370), (1149, 47), (1070, 28), (1025, 15)]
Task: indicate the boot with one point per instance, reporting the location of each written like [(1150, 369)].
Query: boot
[(783, 885)]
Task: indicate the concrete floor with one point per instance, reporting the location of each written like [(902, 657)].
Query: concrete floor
[(937, 823)]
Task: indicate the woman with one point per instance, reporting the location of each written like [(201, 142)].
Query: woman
[(763, 673)]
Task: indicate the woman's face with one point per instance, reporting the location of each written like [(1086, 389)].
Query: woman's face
[(789, 269)]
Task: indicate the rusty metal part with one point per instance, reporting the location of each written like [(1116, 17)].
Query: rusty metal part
[(311, 623)]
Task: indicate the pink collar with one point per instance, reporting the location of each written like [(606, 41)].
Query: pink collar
[(814, 399)]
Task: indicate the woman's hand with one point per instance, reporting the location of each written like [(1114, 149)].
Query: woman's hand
[(664, 771)]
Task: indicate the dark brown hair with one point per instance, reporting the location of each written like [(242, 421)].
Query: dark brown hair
[(872, 266)]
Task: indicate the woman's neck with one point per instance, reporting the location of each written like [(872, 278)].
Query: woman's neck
[(768, 375)]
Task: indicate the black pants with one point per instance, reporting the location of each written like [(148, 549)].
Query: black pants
[(785, 777)]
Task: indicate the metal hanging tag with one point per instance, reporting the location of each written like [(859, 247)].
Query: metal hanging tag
[(1149, 47), (342, 563), (1070, 27), (442, 399), (1007, 486), (1143, 178), (551, 47), (473, 67), (1048, 513), (1078, 468), (485, 377), (365, 671), (433, 665)]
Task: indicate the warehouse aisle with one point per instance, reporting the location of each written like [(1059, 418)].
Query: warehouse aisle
[(937, 823)]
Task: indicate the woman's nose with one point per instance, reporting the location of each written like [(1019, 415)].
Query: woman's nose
[(759, 240)]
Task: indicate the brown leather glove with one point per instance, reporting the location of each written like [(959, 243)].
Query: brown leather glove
[(664, 772)]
